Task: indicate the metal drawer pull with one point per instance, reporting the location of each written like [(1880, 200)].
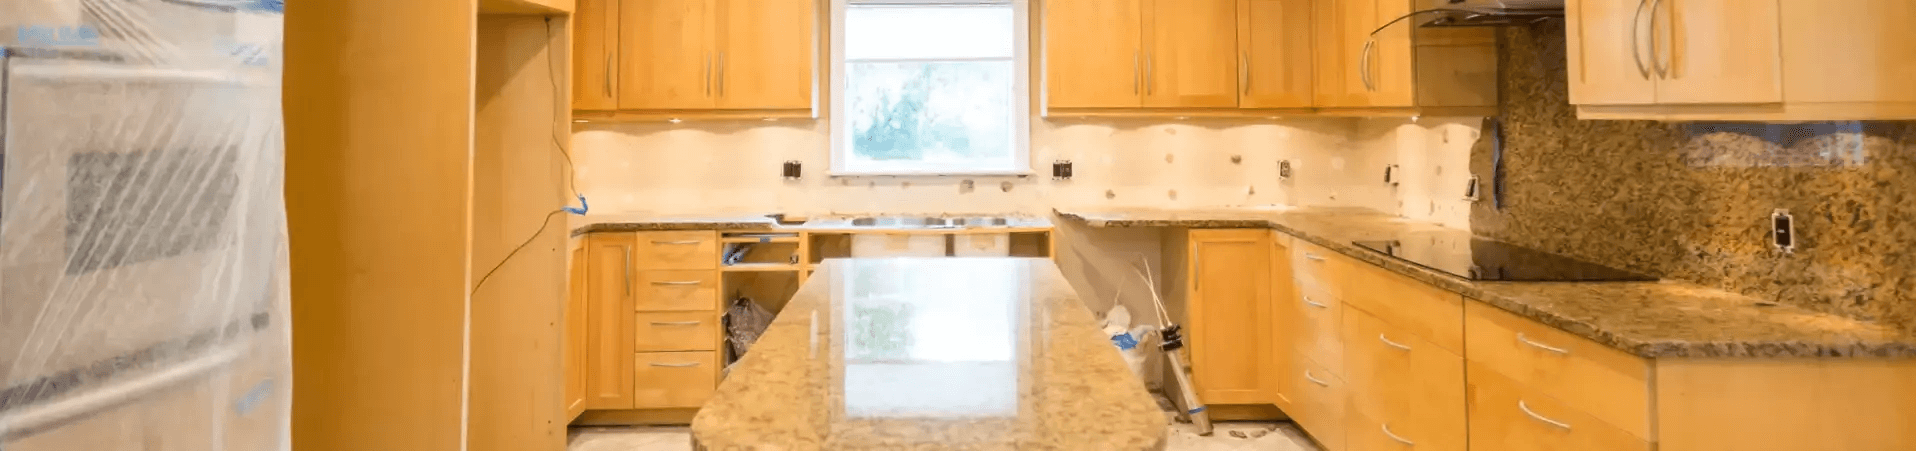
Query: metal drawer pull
[(676, 323), (676, 365), (1314, 380), (1656, 54), (1534, 415), (1636, 39), (677, 242), (1308, 301), (1387, 342), (1364, 66), (1393, 436), (681, 282), (1313, 257), (1542, 346)]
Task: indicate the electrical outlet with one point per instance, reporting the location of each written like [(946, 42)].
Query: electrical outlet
[(1783, 231)]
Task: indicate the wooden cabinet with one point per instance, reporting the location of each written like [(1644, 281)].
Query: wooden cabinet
[(1274, 53), (1229, 301), (693, 58), (1404, 390), (576, 340), (1177, 53), (595, 51), (1782, 60), (1508, 416), (1284, 348), (609, 301), (1367, 68)]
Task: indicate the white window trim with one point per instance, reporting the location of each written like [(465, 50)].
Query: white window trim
[(840, 132)]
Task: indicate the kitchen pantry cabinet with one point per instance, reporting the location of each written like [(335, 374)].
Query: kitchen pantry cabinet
[(695, 58), (1365, 68), (1177, 53), (1784, 60)]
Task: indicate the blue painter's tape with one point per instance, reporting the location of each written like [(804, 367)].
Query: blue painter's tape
[(1124, 341), (581, 209), (1196, 411)]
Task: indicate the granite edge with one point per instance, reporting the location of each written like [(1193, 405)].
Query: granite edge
[(1581, 328)]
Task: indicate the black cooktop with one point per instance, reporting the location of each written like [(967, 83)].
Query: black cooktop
[(1487, 260)]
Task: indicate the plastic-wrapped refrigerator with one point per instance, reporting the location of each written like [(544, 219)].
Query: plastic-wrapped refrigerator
[(143, 286)]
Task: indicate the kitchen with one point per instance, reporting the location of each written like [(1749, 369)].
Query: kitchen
[(972, 224)]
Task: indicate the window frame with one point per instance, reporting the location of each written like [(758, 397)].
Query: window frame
[(841, 134)]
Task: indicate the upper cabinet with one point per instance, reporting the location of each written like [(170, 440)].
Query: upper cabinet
[(693, 58), (1274, 53), (1131, 54), (1787, 60), (1370, 63)]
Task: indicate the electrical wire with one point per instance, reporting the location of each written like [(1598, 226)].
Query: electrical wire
[(515, 251)]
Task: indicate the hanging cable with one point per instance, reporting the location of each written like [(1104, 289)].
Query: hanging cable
[(515, 251)]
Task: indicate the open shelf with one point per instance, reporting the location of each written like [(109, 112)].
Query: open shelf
[(759, 238), (760, 267)]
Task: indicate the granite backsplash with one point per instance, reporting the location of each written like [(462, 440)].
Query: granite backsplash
[(1692, 201)]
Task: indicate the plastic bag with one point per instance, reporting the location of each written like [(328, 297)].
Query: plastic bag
[(744, 321), (1129, 340)]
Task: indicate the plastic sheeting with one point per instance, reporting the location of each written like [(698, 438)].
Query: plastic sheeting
[(143, 294)]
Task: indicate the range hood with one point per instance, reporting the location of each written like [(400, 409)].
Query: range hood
[(1485, 13)]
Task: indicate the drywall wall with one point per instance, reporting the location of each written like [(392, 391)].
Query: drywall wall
[(518, 185)]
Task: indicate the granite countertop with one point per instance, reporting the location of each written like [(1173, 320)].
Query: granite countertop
[(747, 222), (932, 354), (1667, 319)]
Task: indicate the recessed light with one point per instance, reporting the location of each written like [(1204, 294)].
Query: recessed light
[(675, 120), (580, 121), (771, 119), (1183, 117)]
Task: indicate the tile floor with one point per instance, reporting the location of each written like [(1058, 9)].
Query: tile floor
[(1256, 437)]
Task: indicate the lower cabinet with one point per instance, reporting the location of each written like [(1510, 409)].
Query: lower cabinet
[(1229, 299), (1319, 406), (1508, 416), (648, 328), (1404, 390), (674, 380)]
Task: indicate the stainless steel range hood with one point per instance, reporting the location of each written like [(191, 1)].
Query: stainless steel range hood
[(1484, 13)]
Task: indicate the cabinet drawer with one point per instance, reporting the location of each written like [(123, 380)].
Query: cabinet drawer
[(1610, 385), (671, 291), (676, 331), (1319, 406), (673, 379), (678, 250), (1323, 269), (1315, 320), (1509, 416), (1401, 381), (1408, 305)]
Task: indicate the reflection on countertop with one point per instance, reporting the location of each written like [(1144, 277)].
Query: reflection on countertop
[(1648, 319), (976, 354)]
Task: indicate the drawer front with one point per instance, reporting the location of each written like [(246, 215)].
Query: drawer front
[(1323, 269), (1316, 318), (1319, 406), (1508, 416), (1406, 304), (1401, 381), (677, 291), (674, 379), (1589, 377), (678, 250), (676, 331)]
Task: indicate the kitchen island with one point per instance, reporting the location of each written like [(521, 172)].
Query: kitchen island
[(932, 354)]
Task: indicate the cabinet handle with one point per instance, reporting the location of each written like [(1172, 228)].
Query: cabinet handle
[(680, 242), (1393, 436), (1137, 79), (1149, 83), (608, 74), (1308, 301), (675, 365), (675, 323), (721, 74), (1542, 346), (680, 282), (707, 75), (1387, 342), (1533, 414), (1313, 257), (1244, 72), (1363, 65), (627, 271), (1314, 379), (1656, 55), (610, 50), (1636, 39)]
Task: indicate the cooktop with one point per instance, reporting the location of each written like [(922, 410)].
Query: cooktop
[(1482, 259)]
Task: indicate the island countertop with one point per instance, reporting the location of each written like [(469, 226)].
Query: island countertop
[(932, 354)]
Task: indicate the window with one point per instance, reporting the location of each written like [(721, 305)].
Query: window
[(923, 87)]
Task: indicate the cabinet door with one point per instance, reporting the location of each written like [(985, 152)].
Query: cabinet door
[(1609, 49), (610, 284), (767, 54), (1274, 54), (1343, 28), (1719, 51), (595, 48), (1393, 64), (666, 57), (1191, 54), (1284, 351), (575, 336), (1404, 390), (1094, 53), (1229, 297)]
